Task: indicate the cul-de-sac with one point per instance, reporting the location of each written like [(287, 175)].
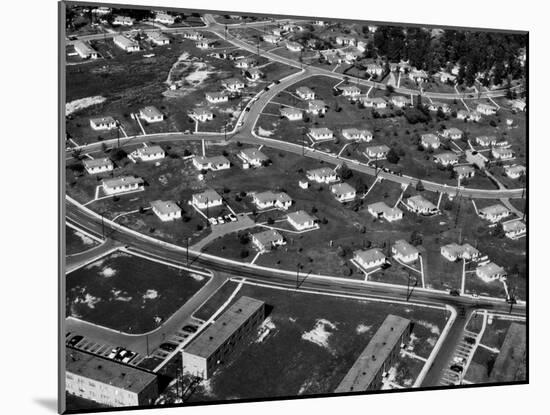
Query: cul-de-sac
[(262, 207)]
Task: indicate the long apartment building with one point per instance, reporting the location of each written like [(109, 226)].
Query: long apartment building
[(108, 382), (379, 355), (210, 349)]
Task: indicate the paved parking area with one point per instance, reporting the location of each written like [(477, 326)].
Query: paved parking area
[(463, 353)]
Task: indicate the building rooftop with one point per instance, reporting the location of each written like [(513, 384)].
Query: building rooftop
[(83, 47), (370, 255), (122, 180), (213, 160), (490, 269), (151, 112), (446, 156), (290, 111), (382, 207), (254, 154), (341, 189), (107, 371), (207, 196), (217, 334), (378, 149), (372, 358), (430, 139), (100, 162), (267, 237), (99, 120), (157, 36), (272, 196), (497, 209), (316, 104), (304, 90), (300, 217), (146, 151), (320, 131), (404, 248), (124, 41), (421, 202), (463, 169), (165, 206), (516, 225), (321, 172)]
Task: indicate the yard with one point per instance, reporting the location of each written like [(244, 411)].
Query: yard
[(76, 241), (128, 293), (319, 337)]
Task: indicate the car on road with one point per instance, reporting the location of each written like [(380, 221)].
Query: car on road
[(75, 340), (454, 293), (168, 347), (277, 82), (189, 328)]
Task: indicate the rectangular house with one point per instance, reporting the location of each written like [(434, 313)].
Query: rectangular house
[(343, 192), (151, 114), (100, 165), (322, 175), (214, 163), (369, 258), (381, 209), (150, 153), (126, 44), (300, 220), (419, 204), (207, 199), (103, 123), (253, 157), (404, 251), (166, 210), (320, 134), (494, 213), (122, 184), (267, 240), (84, 50)]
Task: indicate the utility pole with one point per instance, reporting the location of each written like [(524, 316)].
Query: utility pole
[(409, 293), (187, 250), (102, 227), (297, 275)]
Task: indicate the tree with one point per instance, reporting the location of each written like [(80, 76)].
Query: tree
[(392, 156), (498, 232), (419, 186), (416, 238), (345, 172)]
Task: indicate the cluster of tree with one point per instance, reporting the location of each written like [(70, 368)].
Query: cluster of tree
[(497, 56)]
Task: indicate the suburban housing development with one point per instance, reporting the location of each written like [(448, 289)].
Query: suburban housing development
[(263, 206)]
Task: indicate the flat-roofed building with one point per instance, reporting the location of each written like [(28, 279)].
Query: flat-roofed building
[(267, 240), (151, 114), (380, 354), (213, 346), (103, 123), (322, 175), (84, 50), (301, 220), (99, 165), (166, 210), (149, 153), (404, 251), (122, 184), (126, 44), (419, 204), (108, 382), (343, 192), (494, 213), (211, 163), (253, 157), (381, 209), (207, 199)]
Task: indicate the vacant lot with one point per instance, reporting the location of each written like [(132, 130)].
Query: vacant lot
[(319, 337), (128, 293), (76, 241)]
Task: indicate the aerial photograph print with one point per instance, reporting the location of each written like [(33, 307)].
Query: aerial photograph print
[(265, 207)]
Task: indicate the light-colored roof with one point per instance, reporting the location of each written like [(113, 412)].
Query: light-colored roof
[(92, 163), (430, 139), (448, 156), (516, 225), (83, 47), (165, 206), (452, 131), (146, 151), (213, 160), (421, 202), (463, 169), (382, 207), (216, 94), (378, 149), (356, 131), (304, 90), (300, 217), (370, 255), (217, 334), (151, 112), (270, 196), (516, 168), (341, 189), (103, 120), (490, 269), (404, 248), (321, 172), (201, 111), (124, 41), (122, 180), (254, 154), (497, 209), (107, 371), (207, 196), (290, 111), (316, 104), (267, 237), (320, 131)]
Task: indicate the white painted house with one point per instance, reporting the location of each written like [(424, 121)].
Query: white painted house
[(322, 175), (316, 107), (292, 114), (122, 184), (164, 18), (500, 153), (350, 91), (99, 165), (84, 50), (103, 123), (374, 69), (233, 84), (494, 213), (446, 159), (491, 272), (126, 44), (149, 153), (419, 204), (345, 41), (158, 38), (267, 240), (515, 171), (454, 251), (305, 93), (404, 251), (268, 199), (294, 46), (216, 97), (381, 209), (486, 109), (166, 210), (369, 258), (343, 192), (151, 114), (207, 199), (377, 152), (400, 101), (464, 172), (430, 141), (514, 229), (123, 21), (452, 133), (378, 102), (271, 39), (214, 163), (301, 220), (357, 134), (253, 157), (486, 140), (319, 134), (201, 114)]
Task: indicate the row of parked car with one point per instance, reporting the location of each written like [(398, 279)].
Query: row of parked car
[(223, 219)]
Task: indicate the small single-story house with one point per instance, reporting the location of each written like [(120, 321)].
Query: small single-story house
[(430, 141), (193, 35), (293, 114), (500, 153), (374, 69), (122, 184), (514, 228), (123, 21), (381, 209), (216, 97), (476, 158), (149, 153), (418, 76), (357, 134), (126, 44), (419, 204), (316, 106), (211, 163), (455, 251), (294, 46), (253, 157), (350, 90), (245, 63), (343, 192), (166, 210), (253, 74), (446, 159), (100, 165), (322, 175), (464, 172), (446, 77), (486, 140), (486, 109), (378, 102), (103, 123), (345, 41), (494, 213), (201, 114), (207, 199), (435, 106), (377, 152), (319, 134), (301, 220), (264, 200), (84, 50), (491, 272), (519, 105), (305, 93), (515, 171), (267, 240), (151, 114), (271, 39), (404, 251), (400, 101), (158, 38), (164, 18), (233, 84), (304, 184), (204, 43), (452, 133), (369, 258)]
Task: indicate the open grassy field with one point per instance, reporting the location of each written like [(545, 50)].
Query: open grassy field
[(128, 293), (319, 337), (76, 241)]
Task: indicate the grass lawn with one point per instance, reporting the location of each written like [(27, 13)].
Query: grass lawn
[(210, 306), (76, 241), (128, 293), (319, 337)]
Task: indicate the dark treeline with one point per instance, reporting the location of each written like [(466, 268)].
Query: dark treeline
[(494, 55)]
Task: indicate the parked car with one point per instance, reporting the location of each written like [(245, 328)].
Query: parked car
[(128, 357), (457, 368), (213, 221), (190, 328), (168, 347), (75, 340), (114, 353)]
